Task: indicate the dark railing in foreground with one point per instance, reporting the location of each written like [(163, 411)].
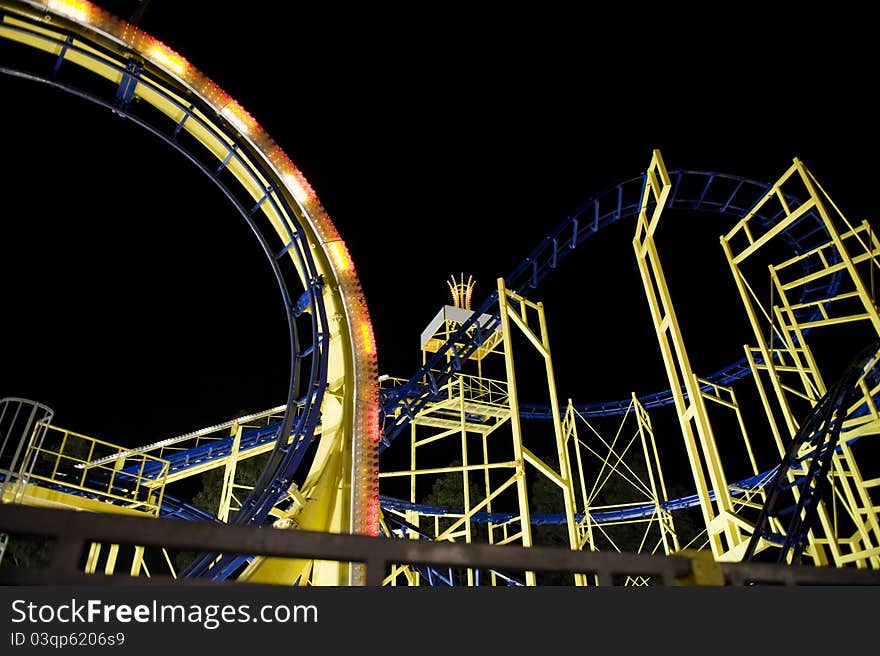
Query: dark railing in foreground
[(73, 531)]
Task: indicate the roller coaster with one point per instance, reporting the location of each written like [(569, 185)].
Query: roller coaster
[(780, 444)]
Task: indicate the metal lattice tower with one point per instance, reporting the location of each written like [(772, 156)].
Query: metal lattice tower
[(815, 458), (795, 311), (472, 410)]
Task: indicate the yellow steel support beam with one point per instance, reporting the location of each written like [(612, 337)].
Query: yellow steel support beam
[(413, 444), (542, 344), (863, 292), (545, 469), (121, 480), (94, 554), (137, 562), (726, 397), (515, 479), (478, 405), (110, 563), (725, 535), (229, 474), (793, 335), (465, 479), (516, 424), (449, 469), (38, 495), (668, 535), (612, 462), (514, 312), (569, 427), (850, 499)]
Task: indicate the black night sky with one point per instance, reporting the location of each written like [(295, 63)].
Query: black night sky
[(441, 140)]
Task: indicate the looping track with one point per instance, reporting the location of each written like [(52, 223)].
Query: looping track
[(78, 48)]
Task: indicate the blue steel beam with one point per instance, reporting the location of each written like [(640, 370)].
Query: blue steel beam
[(809, 473), (630, 513), (197, 456)]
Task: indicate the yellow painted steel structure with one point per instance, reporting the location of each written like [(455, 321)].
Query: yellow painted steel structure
[(211, 435), (728, 507), (604, 463), (64, 459), (341, 484), (475, 407), (478, 412), (784, 361), (70, 470), (727, 539)]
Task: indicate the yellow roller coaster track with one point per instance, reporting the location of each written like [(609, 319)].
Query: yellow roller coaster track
[(340, 489)]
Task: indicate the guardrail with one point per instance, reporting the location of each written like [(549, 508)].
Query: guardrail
[(74, 531)]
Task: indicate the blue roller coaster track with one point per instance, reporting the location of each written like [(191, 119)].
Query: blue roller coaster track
[(805, 467), (698, 191)]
